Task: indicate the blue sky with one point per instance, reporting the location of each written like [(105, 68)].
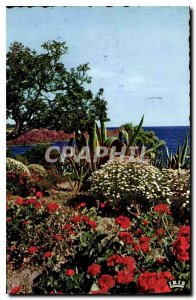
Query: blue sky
[(135, 53)]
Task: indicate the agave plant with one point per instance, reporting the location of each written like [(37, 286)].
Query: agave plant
[(82, 168), (180, 160), (127, 141)]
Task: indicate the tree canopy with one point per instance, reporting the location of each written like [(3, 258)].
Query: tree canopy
[(41, 92)]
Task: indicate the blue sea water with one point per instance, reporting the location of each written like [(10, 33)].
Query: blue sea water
[(170, 134)]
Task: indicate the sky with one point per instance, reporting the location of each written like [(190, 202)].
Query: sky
[(139, 55)]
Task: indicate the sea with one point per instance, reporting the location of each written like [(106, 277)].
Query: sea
[(170, 134)]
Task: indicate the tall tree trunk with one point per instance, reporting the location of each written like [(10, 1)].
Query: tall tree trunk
[(16, 132)]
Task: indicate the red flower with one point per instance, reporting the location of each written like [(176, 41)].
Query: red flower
[(160, 260), (92, 224), (85, 219), (82, 204), (25, 222), (136, 247), (143, 243), (184, 230), (180, 247), (139, 231), (39, 194), (129, 261), (154, 282), (76, 219), (145, 222), (52, 207), (182, 244), (102, 205), (47, 254), (69, 272), (9, 219), (32, 201), (15, 290), (123, 222), (32, 249), (114, 260), (19, 201), (21, 181), (161, 232), (94, 269), (68, 228), (162, 208), (126, 237), (106, 282), (38, 205), (124, 277), (58, 237)]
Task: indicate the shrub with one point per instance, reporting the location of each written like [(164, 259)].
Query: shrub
[(147, 138), (18, 177), (138, 184), (37, 155), (127, 183), (37, 170), (22, 159), (179, 184)]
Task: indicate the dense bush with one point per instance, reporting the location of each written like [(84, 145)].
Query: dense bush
[(78, 255), (37, 170), (147, 138), (37, 155), (138, 184), (18, 177), (22, 159)]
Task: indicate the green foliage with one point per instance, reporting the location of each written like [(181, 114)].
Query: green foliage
[(31, 78), (180, 160), (41, 92), (22, 159), (141, 137), (36, 155)]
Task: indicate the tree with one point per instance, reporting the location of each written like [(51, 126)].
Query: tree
[(32, 79), (41, 92), (147, 138), (76, 109)]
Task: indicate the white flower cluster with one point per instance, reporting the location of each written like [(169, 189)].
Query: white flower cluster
[(129, 182)]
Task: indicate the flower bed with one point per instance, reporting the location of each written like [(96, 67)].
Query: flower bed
[(135, 255)]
